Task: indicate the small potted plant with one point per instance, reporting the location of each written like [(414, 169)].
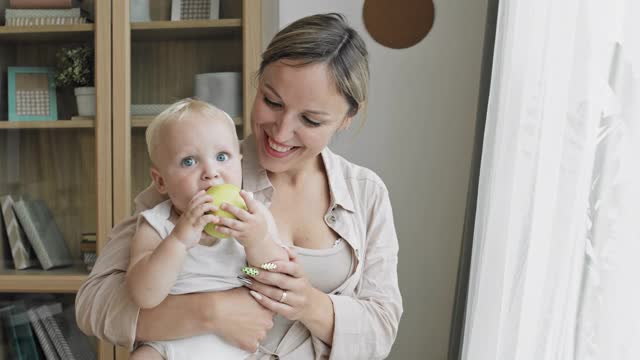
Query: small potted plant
[(75, 69)]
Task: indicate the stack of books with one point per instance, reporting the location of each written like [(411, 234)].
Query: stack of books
[(88, 250), (34, 239), (43, 12), (43, 331)]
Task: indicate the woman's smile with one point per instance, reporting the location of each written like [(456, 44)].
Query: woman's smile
[(276, 149)]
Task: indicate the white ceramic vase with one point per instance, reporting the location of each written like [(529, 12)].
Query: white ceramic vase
[(222, 89), (139, 11), (86, 100)]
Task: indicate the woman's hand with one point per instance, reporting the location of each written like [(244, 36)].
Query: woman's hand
[(239, 319), (285, 290)]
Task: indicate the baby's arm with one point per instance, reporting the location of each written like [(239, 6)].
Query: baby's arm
[(154, 266), (156, 263), (255, 229)]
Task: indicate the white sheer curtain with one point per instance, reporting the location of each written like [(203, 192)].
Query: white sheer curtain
[(555, 270)]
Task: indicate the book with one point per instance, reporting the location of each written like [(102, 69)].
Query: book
[(22, 345), (39, 13), (46, 344), (88, 250), (43, 233), (69, 342), (33, 17), (41, 4), (79, 343), (33, 21), (45, 313), (6, 261), (23, 255)]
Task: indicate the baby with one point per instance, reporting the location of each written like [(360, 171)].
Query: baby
[(194, 146)]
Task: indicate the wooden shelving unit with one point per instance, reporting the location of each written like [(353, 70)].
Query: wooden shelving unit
[(66, 162), (89, 169)]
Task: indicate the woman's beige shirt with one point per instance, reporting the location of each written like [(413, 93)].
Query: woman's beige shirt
[(367, 306)]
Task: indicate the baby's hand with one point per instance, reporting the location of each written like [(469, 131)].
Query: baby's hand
[(189, 228), (251, 226)]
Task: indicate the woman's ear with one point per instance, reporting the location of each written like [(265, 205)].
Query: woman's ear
[(158, 181), (346, 123)]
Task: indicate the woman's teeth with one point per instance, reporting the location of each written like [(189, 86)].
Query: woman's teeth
[(279, 148)]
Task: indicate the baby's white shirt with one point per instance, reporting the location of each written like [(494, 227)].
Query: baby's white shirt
[(206, 268)]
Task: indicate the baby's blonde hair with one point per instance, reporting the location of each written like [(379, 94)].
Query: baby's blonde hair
[(178, 111)]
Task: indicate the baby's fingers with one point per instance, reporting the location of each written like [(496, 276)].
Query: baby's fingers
[(236, 211), (199, 210), (200, 197), (229, 223), (253, 205), (206, 219)]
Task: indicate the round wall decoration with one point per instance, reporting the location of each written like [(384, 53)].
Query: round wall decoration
[(398, 24)]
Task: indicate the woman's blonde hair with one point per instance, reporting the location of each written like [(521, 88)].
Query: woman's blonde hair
[(178, 111), (325, 38)]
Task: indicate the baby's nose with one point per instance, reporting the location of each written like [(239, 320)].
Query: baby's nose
[(210, 172)]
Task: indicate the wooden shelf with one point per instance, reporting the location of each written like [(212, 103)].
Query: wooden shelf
[(67, 33), (57, 124), (63, 280), (144, 121), (185, 29)]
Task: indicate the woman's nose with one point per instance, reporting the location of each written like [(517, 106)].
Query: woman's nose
[(285, 128)]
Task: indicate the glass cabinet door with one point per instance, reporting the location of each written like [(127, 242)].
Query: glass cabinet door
[(55, 173), (168, 51), (166, 60)]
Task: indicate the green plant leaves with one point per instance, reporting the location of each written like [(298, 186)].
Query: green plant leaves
[(74, 67)]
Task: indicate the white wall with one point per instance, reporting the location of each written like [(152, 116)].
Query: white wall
[(418, 137)]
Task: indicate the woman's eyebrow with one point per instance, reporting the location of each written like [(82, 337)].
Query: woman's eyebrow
[(273, 90), (316, 112)]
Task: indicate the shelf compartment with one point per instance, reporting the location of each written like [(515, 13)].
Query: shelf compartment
[(185, 29), (66, 33), (58, 124), (63, 280)]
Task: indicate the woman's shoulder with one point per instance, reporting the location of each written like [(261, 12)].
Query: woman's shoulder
[(338, 166)]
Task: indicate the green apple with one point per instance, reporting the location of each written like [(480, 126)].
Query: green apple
[(230, 194)]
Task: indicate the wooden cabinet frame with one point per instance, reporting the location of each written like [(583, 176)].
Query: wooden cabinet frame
[(112, 38)]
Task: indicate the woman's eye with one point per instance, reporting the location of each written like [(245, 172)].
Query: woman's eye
[(310, 122), (271, 103), (188, 162), (222, 157)]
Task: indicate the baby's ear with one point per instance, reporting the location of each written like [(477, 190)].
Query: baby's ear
[(158, 180)]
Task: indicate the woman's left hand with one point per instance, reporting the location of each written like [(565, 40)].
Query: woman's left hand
[(285, 289)]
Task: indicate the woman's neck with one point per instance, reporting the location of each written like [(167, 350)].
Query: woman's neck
[(299, 176)]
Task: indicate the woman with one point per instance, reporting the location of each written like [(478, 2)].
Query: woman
[(338, 295)]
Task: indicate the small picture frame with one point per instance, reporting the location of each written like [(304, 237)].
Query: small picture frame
[(195, 9), (32, 94)]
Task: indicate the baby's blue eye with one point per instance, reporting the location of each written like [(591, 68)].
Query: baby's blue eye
[(188, 161), (222, 157)]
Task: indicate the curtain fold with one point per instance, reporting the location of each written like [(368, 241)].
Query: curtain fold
[(558, 187)]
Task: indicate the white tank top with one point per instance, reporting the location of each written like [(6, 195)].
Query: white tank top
[(326, 269)]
